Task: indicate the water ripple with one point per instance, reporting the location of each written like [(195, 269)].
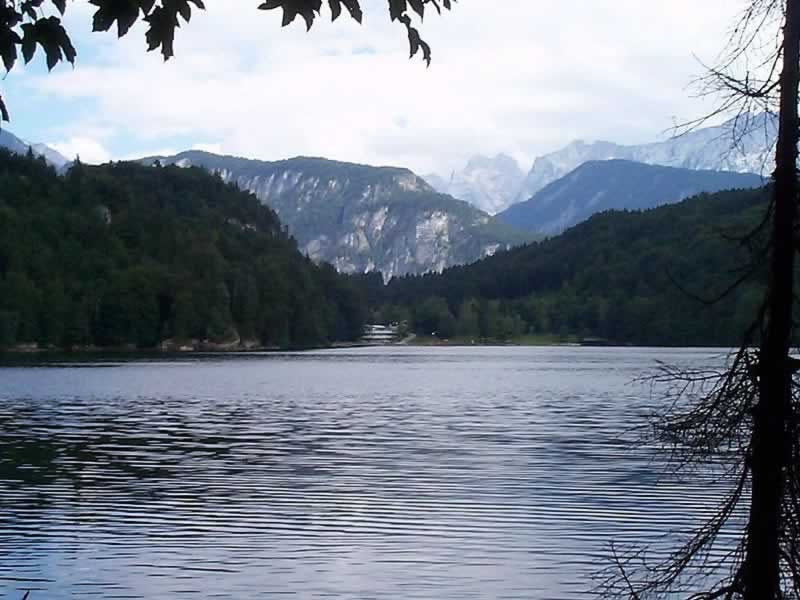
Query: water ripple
[(376, 473)]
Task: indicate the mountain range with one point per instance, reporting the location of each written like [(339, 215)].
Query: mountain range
[(19, 146), (602, 185), (741, 145), (361, 218), (486, 183)]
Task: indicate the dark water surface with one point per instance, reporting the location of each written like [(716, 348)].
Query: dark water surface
[(382, 473)]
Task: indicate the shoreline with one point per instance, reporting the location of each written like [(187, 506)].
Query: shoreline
[(27, 351), (31, 350), (526, 340)]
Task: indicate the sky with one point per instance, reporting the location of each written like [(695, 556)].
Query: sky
[(523, 77)]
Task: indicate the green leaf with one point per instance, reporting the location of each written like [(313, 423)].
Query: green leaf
[(146, 6), (65, 42), (336, 9), (184, 10), (8, 47), (28, 42), (29, 8), (307, 9), (61, 5), (354, 9), (161, 33), (9, 17), (418, 6), (396, 9), (52, 37), (123, 12), (415, 42), (3, 111)]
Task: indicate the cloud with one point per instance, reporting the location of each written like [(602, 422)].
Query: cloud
[(515, 76), (147, 151), (89, 150), (213, 148)]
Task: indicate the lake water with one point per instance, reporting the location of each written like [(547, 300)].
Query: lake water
[(375, 473)]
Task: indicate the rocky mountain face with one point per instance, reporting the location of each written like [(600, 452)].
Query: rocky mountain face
[(597, 186), (742, 146), (728, 147), (19, 146), (361, 218), (490, 184)]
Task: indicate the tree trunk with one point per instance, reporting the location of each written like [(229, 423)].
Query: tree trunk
[(771, 443)]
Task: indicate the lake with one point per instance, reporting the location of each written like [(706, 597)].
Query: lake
[(371, 473)]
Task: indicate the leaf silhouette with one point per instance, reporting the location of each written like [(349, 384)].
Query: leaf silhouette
[(24, 26)]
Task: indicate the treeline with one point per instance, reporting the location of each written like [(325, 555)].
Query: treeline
[(127, 255), (628, 277), (123, 255)]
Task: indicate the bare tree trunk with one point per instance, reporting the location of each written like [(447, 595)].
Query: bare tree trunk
[(771, 443)]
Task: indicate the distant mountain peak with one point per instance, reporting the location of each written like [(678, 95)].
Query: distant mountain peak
[(741, 145), (480, 161), (599, 185), (488, 183), (19, 146)]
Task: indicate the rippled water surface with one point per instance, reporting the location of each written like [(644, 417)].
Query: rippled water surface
[(382, 473)]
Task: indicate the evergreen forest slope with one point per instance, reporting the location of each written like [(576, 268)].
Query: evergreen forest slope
[(628, 277), (127, 255)]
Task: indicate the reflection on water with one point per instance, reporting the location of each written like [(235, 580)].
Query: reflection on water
[(372, 473)]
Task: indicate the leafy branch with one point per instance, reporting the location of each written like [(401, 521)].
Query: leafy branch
[(25, 25)]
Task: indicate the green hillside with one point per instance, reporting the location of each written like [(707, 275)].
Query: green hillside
[(629, 277), (127, 255)]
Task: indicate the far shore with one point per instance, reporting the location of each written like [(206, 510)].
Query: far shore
[(36, 350), (524, 340), (31, 350)]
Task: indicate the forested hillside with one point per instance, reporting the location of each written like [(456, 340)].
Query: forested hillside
[(626, 277), (127, 255)]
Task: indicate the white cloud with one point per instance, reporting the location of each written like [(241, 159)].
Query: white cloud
[(522, 77), (145, 151), (213, 148), (89, 150)]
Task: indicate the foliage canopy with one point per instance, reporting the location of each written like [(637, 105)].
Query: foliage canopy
[(627, 277), (123, 255), (26, 25)]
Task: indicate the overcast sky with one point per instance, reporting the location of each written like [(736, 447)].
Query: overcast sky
[(523, 77)]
